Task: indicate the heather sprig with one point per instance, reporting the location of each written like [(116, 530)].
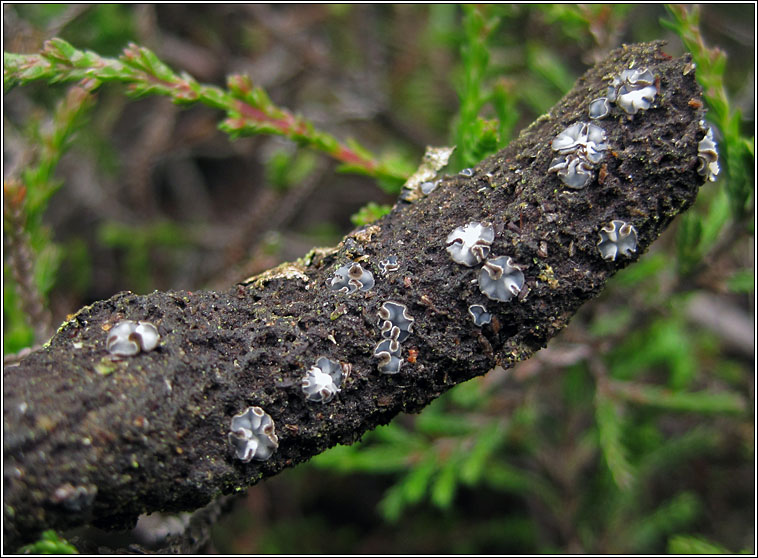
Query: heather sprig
[(27, 315), (33, 258), (474, 136), (249, 110)]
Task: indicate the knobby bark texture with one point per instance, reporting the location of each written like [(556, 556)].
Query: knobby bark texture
[(91, 440)]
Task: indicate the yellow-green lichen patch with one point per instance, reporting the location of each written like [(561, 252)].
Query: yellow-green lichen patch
[(106, 366), (548, 276), (339, 310)]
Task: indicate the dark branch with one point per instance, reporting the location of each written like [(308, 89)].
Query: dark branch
[(149, 433)]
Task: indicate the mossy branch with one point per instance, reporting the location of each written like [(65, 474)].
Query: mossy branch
[(248, 108), (87, 439)]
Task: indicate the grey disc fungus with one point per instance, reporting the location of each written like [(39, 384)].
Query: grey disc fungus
[(617, 237), (633, 90), (388, 265), (252, 435), (351, 278), (127, 338), (74, 498), (388, 352), (395, 322), (571, 139), (469, 245), (322, 382), (396, 325), (582, 139), (573, 171), (479, 314), (599, 108), (500, 279), (708, 155), (429, 187), (579, 147)]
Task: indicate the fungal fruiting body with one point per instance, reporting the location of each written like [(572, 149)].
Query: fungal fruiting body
[(573, 171), (470, 245), (395, 322), (388, 352), (127, 338), (429, 187), (351, 278), (322, 382), (390, 264), (583, 139), (617, 237), (633, 90), (579, 147), (467, 172), (599, 108), (74, 498), (479, 314), (500, 279), (395, 325), (252, 435), (708, 156)]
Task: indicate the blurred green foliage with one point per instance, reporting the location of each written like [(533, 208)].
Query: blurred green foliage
[(50, 543), (638, 443), (139, 243), (684, 544), (23, 215), (17, 333), (369, 213), (285, 170), (474, 136), (104, 28)]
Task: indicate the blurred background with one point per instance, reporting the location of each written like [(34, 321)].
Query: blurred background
[(633, 432)]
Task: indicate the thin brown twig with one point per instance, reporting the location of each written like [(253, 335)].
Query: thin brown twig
[(21, 260)]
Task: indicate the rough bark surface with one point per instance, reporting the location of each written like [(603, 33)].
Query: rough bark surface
[(92, 440)]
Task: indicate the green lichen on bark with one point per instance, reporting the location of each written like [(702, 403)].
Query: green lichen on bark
[(151, 434)]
